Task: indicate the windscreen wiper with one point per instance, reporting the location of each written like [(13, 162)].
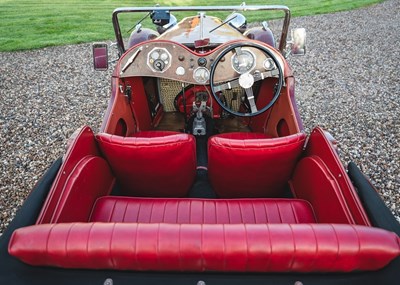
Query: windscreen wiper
[(140, 21), (223, 23)]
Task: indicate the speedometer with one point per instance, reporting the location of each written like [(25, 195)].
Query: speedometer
[(243, 61)]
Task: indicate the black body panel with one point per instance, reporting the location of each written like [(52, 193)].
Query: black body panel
[(379, 215)]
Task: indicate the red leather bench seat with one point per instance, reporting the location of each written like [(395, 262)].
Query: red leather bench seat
[(202, 211), (206, 247)]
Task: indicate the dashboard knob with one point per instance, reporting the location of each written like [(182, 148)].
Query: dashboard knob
[(202, 61), (159, 65)]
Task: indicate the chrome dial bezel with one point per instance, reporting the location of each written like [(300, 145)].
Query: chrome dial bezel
[(249, 66)]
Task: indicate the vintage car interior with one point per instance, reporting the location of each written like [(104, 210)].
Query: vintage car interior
[(202, 169)]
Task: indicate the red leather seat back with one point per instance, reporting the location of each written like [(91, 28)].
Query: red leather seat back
[(204, 247), (153, 164), (112, 209), (245, 165)]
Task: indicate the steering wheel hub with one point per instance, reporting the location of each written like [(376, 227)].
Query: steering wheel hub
[(246, 80)]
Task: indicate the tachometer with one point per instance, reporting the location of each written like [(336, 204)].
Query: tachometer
[(243, 60)]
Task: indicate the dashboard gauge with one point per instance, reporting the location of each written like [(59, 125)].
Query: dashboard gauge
[(269, 64), (164, 56), (155, 55), (180, 70), (243, 61), (201, 75), (159, 59)]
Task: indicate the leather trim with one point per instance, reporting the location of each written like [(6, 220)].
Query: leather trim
[(151, 165), (256, 167), (313, 182), (243, 136), (201, 211), (319, 145), (206, 247), (154, 134), (81, 144), (91, 178)]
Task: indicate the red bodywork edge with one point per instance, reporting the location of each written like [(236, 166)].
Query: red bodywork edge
[(320, 146), (61, 190)]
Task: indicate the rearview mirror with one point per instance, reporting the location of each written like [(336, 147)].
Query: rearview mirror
[(100, 56), (298, 42)]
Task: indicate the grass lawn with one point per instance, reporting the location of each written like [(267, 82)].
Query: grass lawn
[(30, 24)]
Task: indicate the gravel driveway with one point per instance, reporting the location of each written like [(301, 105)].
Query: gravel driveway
[(347, 83)]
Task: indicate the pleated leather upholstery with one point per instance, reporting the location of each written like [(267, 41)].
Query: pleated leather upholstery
[(206, 247), (202, 211)]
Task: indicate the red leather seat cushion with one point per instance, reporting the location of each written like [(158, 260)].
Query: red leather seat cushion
[(206, 247), (158, 164), (244, 165), (202, 211)]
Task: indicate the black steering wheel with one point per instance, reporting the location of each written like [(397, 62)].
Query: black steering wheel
[(248, 75)]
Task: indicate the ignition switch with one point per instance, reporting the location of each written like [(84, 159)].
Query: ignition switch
[(159, 65)]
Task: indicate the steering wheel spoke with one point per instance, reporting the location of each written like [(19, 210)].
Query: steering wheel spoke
[(250, 98), (257, 77), (227, 85), (262, 75)]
